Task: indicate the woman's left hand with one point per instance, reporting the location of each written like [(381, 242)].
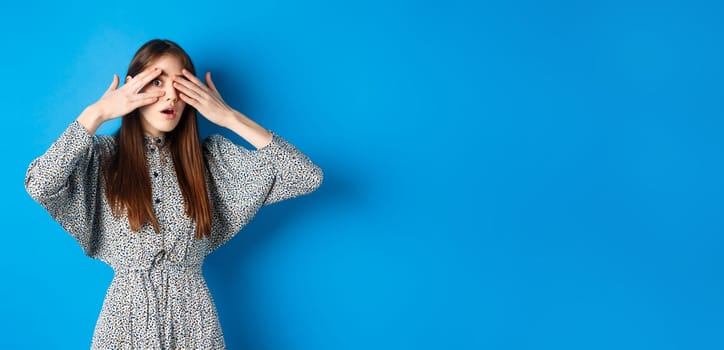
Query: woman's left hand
[(206, 99)]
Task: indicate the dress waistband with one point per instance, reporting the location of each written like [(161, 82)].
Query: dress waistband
[(160, 260)]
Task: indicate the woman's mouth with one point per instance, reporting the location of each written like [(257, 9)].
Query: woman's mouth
[(169, 112)]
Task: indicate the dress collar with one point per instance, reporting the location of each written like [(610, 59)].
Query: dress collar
[(154, 142)]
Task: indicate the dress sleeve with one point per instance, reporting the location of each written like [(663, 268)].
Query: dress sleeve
[(243, 180), (65, 181)]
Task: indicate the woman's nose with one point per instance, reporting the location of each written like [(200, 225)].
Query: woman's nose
[(171, 93)]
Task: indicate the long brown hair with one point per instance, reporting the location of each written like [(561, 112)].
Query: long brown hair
[(128, 183)]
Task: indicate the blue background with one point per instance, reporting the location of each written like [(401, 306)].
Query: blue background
[(498, 174)]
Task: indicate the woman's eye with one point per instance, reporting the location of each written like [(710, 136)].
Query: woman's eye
[(156, 82)]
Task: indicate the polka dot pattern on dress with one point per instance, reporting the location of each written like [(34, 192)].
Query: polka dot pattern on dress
[(158, 298)]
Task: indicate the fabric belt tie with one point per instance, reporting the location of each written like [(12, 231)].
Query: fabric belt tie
[(153, 280)]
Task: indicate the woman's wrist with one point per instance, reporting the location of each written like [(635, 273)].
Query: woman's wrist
[(248, 130), (91, 118)]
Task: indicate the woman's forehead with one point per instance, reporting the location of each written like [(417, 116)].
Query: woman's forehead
[(169, 64)]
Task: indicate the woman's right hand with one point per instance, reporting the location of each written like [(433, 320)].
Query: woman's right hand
[(117, 102)]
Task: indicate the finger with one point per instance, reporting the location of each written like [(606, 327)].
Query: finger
[(210, 83), (145, 77), (144, 101), (142, 79), (143, 95), (191, 101), (148, 72), (114, 83), (187, 88), (192, 77)]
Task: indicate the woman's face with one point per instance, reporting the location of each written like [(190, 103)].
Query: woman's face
[(163, 116)]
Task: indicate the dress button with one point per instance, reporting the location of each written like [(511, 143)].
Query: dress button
[(158, 201), (155, 174), (158, 140)]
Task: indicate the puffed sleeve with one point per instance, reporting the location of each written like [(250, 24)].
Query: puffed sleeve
[(65, 181), (243, 180)]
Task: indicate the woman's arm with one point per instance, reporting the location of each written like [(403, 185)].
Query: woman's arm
[(65, 179), (242, 180), (249, 130), (295, 174)]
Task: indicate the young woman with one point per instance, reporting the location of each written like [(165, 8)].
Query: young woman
[(153, 200)]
